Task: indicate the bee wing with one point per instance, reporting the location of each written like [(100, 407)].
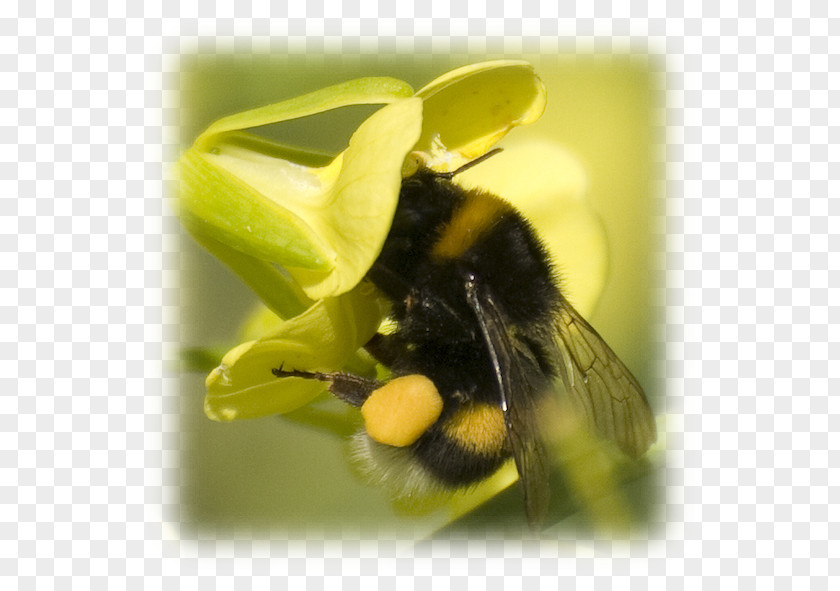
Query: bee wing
[(601, 388), (518, 386)]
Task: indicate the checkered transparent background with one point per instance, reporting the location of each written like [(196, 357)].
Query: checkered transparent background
[(89, 439)]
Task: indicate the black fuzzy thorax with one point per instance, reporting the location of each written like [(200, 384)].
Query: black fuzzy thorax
[(438, 332)]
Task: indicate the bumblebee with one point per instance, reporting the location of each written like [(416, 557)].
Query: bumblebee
[(484, 338)]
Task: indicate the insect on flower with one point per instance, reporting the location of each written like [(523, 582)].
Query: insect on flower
[(482, 351)]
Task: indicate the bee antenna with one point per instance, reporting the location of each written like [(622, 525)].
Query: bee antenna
[(468, 165)]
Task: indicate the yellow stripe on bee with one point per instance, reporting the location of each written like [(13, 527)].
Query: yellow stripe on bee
[(479, 428), (469, 222)]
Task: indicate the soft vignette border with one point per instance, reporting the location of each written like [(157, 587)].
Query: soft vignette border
[(386, 543)]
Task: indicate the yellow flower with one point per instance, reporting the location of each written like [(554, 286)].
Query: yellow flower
[(303, 229)]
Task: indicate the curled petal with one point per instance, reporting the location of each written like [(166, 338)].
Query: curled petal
[(321, 339), (354, 215), (324, 221), (468, 110)]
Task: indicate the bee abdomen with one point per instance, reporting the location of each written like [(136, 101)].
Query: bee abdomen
[(465, 447)]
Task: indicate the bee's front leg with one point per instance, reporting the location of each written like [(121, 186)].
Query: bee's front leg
[(350, 388)]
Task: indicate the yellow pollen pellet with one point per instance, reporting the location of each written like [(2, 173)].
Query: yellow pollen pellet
[(399, 412)]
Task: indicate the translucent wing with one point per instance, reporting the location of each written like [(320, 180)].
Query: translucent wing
[(520, 380), (600, 386)]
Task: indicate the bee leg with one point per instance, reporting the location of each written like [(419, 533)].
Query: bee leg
[(352, 389), (387, 349)]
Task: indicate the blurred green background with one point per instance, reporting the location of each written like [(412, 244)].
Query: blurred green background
[(278, 473)]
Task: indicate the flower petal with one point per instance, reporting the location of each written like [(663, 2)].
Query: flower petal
[(215, 201), (471, 108), (273, 285), (321, 339), (327, 222), (361, 91), (353, 218)]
